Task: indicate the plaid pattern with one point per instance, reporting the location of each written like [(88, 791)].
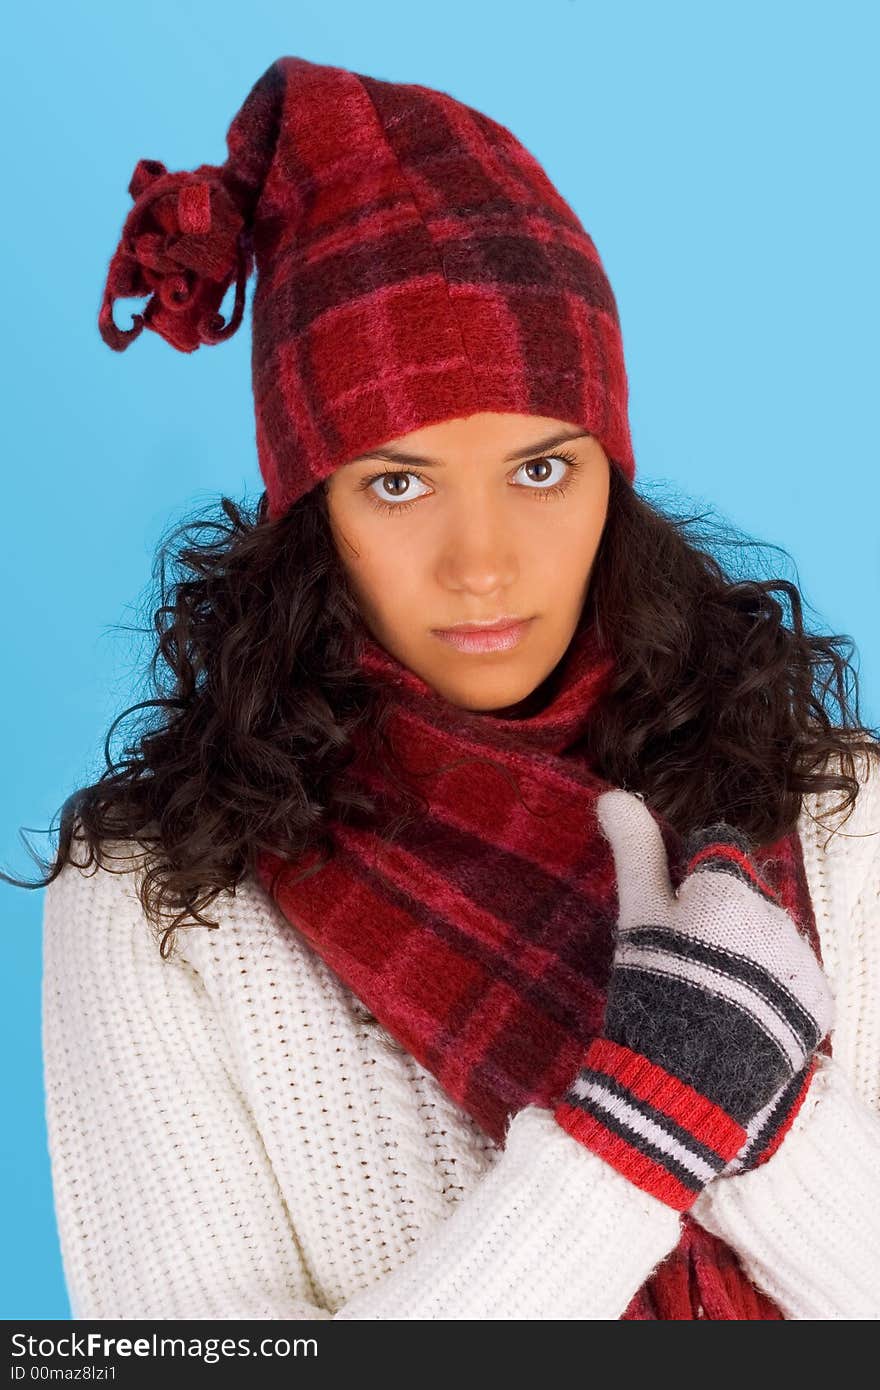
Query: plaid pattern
[(414, 263), (482, 940)]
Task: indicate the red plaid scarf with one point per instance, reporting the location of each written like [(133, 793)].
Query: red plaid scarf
[(482, 939)]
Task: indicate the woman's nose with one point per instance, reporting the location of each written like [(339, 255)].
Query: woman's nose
[(478, 550)]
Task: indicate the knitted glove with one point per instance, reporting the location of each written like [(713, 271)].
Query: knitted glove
[(715, 1007), (768, 1128)]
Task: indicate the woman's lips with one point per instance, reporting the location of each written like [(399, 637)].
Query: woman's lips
[(490, 639)]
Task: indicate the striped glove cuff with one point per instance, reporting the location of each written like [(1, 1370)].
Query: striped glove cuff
[(766, 1130), (654, 1128)]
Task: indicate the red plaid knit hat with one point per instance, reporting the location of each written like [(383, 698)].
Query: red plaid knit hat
[(414, 264)]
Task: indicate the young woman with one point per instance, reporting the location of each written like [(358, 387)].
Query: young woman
[(469, 932)]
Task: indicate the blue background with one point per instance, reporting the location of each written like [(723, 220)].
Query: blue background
[(722, 158)]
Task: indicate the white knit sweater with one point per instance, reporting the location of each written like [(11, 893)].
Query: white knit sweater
[(231, 1136)]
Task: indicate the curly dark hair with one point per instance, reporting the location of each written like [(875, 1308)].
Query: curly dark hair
[(718, 710)]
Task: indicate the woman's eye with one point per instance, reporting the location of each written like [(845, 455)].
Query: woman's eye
[(393, 489), (543, 471)]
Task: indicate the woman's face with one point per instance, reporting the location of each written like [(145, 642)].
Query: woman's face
[(488, 516)]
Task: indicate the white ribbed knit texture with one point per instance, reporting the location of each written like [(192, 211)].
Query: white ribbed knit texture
[(825, 1268), (231, 1137), (515, 1248)]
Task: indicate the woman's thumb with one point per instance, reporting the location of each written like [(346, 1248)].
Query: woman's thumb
[(640, 862)]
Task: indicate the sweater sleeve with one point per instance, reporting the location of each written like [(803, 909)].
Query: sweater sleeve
[(806, 1224), (149, 1131)]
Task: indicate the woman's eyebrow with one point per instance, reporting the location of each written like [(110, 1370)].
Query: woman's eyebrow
[(399, 456)]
